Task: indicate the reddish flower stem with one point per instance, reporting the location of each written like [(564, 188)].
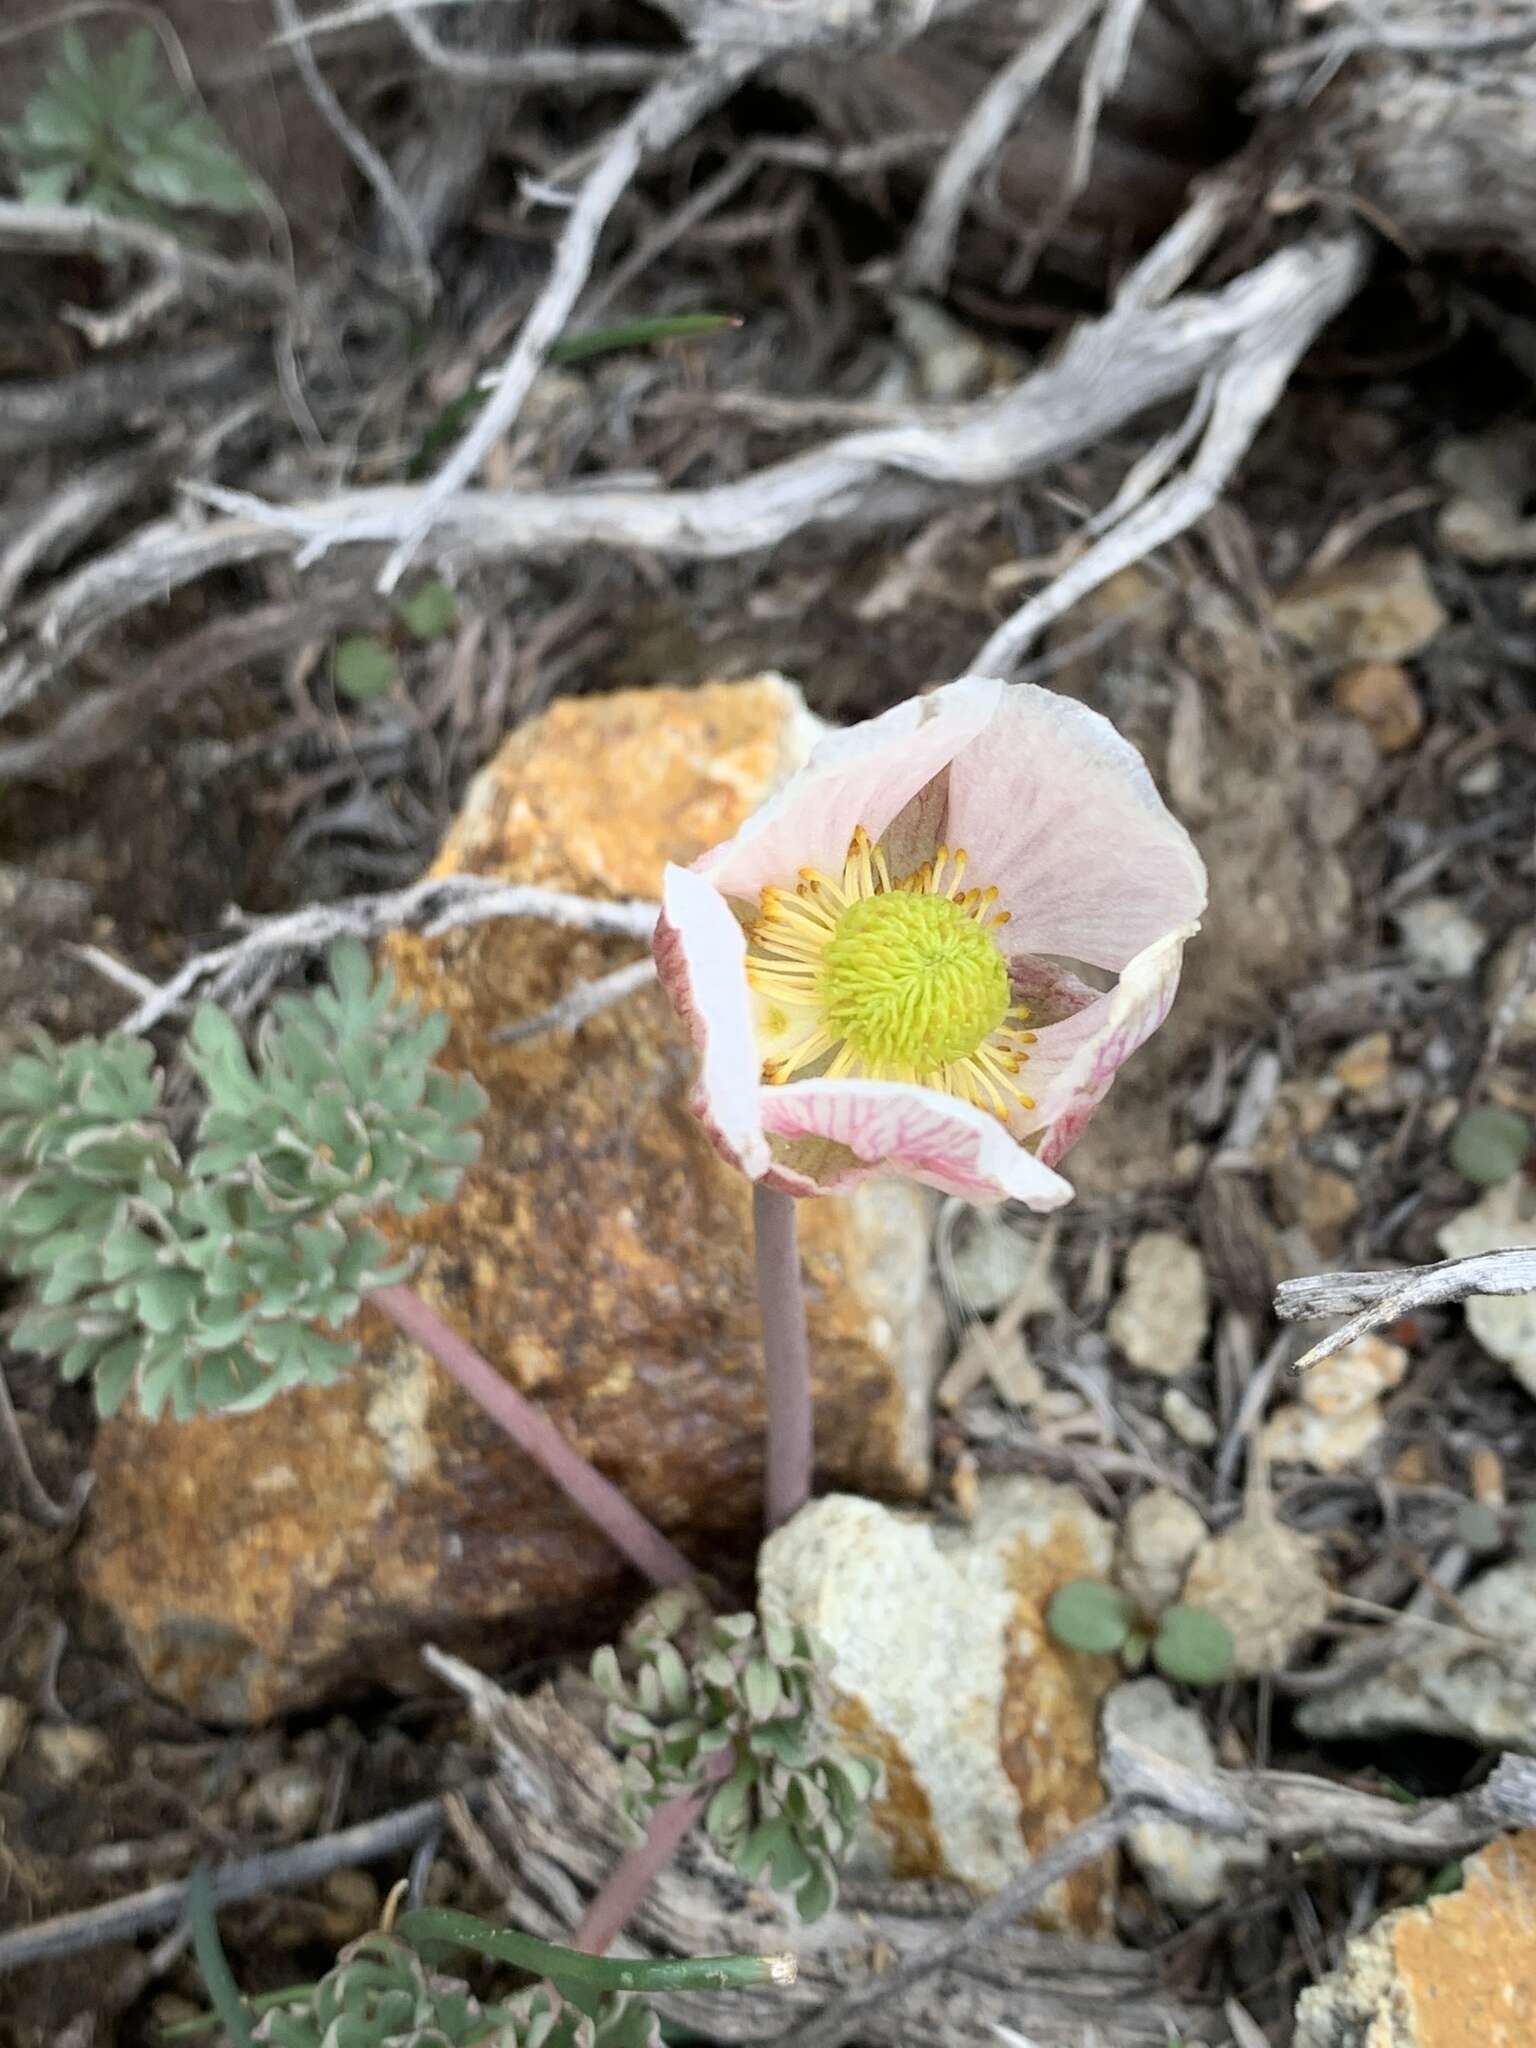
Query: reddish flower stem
[(786, 1355), (628, 1885), (636, 1874), (532, 1431)]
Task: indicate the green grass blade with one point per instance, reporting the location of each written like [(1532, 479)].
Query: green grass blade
[(214, 1964), (439, 1925)]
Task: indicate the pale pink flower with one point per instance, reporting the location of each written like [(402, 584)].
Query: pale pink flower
[(878, 969)]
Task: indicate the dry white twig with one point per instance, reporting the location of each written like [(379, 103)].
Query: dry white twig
[(1292, 1810), (1109, 371), (1381, 1298), (1099, 1835), (1248, 385), (431, 907), (1102, 79), (1175, 256), (176, 270), (82, 501), (581, 1002), (929, 253), (423, 283), (668, 110), (594, 70), (1156, 464)]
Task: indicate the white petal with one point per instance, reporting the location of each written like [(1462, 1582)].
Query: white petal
[(862, 776), (701, 959), (919, 1132), (1059, 814)]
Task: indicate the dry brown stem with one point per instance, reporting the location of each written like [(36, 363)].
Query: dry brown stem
[(1380, 1298)]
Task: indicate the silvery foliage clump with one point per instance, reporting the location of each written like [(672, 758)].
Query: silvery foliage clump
[(687, 1687), (112, 130), (197, 1283), (381, 1994)]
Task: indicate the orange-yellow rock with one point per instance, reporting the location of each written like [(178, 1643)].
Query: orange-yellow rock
[(599, 1255), (1456, 1972)]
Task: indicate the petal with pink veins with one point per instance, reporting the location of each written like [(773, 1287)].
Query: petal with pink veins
[(1073, 1062), (701, 956), (1059, 814), (935, 1138), (862, 776)]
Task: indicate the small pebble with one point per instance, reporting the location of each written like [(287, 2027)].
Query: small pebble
[(1354, 1377), (1262, 1580), (1188, 1870), (68, 1751), (1299, 1435), (287, 1798), (354, 1904), (1486, 1471), (1483, 778), (1440, 939), (1365, 1066), (1161, 1533), (951, 361), (1377, 607), (1190, 1423), (1411, 1466), (1319, 1198), (1504, 1325), (1382, 696), (1160, 1322)]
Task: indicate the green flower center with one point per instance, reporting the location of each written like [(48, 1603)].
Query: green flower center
[(911, 982)]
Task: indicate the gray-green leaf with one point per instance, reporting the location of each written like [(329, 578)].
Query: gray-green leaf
[(1089, 1615)]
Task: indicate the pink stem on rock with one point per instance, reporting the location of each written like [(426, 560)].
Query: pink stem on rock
[(623, 1892), (532, 1431), (636, 1874), (786, 1355)]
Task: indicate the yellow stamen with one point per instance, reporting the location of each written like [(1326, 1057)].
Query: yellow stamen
[(896, 978)]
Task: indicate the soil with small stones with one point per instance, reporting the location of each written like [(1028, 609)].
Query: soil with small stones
[(269, 788)]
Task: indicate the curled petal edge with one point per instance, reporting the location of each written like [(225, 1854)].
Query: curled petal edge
[(890, 1126), (701, 956), (1090, 1048)]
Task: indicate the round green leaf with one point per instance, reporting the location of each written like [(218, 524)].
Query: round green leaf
[(365, 667), (1193, 1645), (1488, 1145), (429, 613), (1090, 1616)]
